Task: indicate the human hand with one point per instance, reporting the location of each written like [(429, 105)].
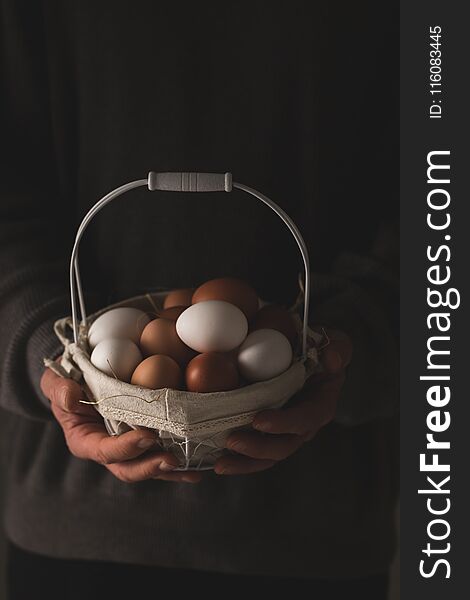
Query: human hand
[(279, 433), (126, 456)]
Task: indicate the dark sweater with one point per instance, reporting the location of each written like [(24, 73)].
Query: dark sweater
[(299, 105)]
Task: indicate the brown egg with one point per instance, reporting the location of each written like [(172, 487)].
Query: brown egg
[(172, 313), (178, 298), (211, 372), (275, 317), (157, 372), (230, 290), (160, 337)]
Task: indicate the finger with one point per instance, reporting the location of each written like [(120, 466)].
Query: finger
[(306, 416), (183, 477), (266, 447), (331, 361), (241, 465), (337, 355), (66, 394), (59, 390), (90, 440), (152, 466)]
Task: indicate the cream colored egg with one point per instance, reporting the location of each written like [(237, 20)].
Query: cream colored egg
[(117, 358), (123, 322), (264, 354), (212, 326)]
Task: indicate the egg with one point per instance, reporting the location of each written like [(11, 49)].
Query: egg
[(264, 354), (212, 326), (157, 372), (123, 322), (160, 337), (178, 298), (172, 313), (211, 372), (272, 316), (116, 357), (230, 290)]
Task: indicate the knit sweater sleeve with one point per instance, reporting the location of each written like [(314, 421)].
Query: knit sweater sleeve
[(33, 271), (361, 297)]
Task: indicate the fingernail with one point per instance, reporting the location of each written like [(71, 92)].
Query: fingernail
[(145, 443), (188, 479), (222, 471), (263, 425), (167, 467), (237, 446)]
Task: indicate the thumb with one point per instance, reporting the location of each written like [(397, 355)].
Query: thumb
[(337, 355), (64, 393)]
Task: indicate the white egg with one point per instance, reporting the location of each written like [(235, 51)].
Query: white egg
[(117, 358), (124, 323), (264, 354), (212, 326)]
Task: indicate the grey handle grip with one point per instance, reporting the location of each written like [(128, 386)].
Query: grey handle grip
[(190, 182)]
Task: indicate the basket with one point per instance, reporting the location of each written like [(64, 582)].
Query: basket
[(194, 426)]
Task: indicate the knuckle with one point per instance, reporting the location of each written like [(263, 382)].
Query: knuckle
[(72, 449), (284, 450), (296, 426), (273, 456), (123, 454), (62, 392), (329, 416), (329, 412), (278, 455), (272, 451), (313, 413), (102, 457), (308, 437), (295, 444), (152, 472), (121, 475), (263, 466)]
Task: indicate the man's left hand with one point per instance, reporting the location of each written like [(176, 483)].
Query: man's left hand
[(277, 434)]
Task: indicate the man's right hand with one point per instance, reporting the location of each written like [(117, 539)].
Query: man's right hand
[(131, 457)]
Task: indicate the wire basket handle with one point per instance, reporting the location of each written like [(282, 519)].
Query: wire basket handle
[(182, 182)]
